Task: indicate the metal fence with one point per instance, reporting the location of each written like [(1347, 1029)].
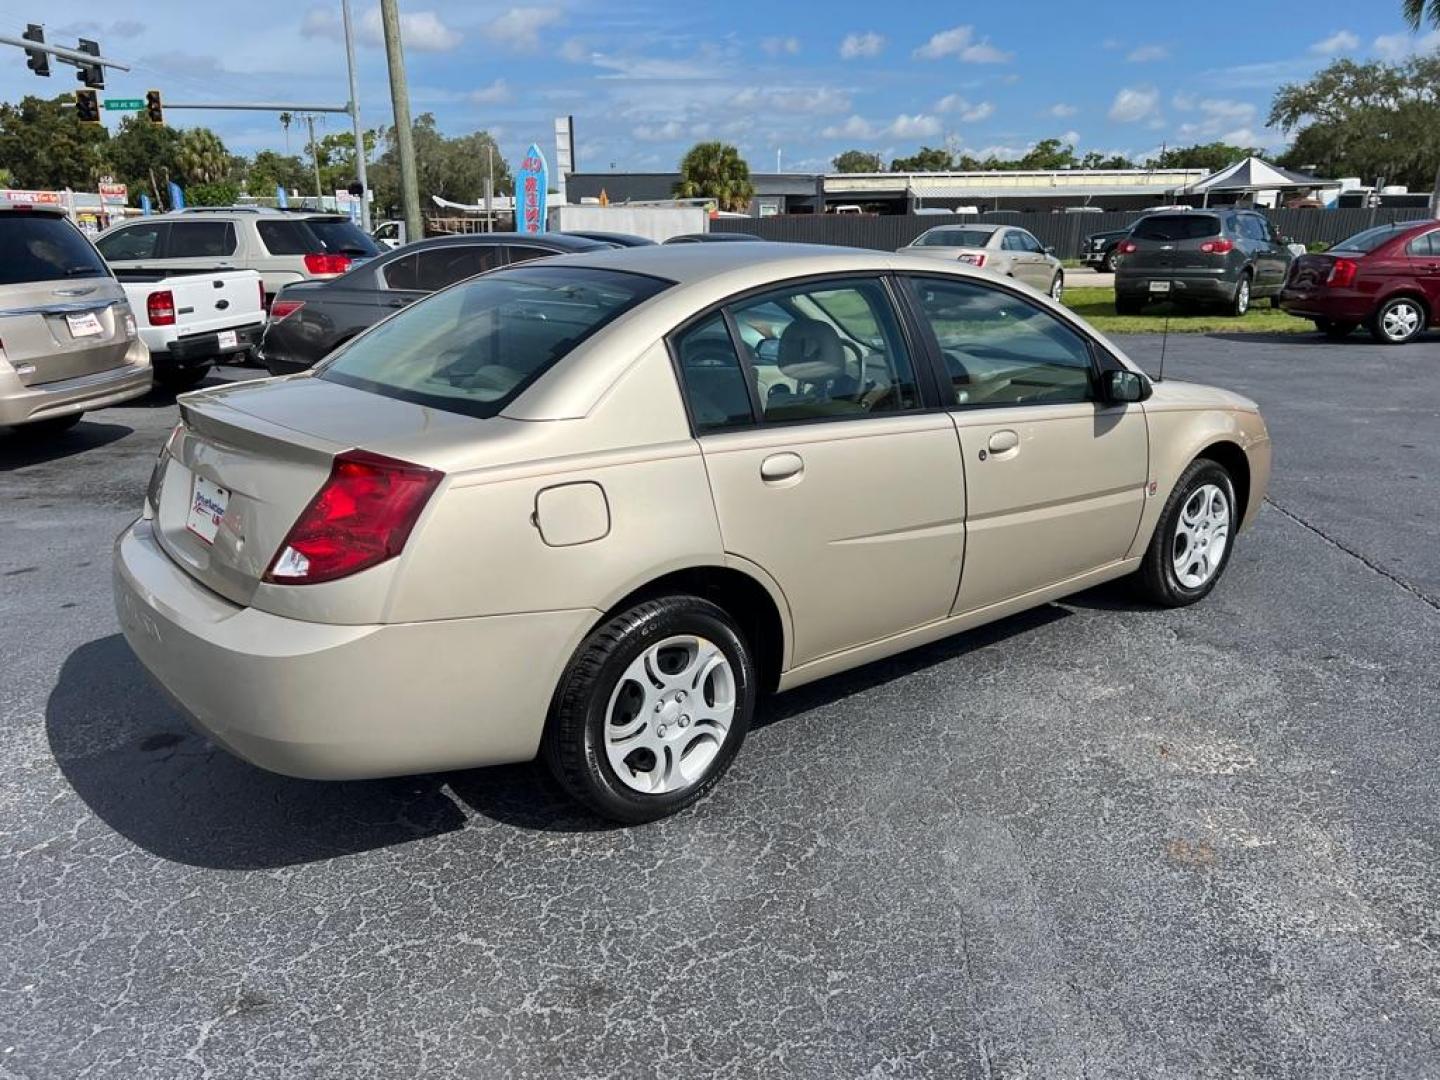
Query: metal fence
[(1064, 232)]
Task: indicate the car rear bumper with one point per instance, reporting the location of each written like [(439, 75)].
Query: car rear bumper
[(1199, 285), (21, 404), (197, 350), (327, 701), (1332, 304)]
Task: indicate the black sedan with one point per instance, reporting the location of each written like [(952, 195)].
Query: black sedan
[(309, 319), (614, 239)]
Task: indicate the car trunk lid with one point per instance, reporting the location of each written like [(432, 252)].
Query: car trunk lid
[(51, 331), (1311, 271)]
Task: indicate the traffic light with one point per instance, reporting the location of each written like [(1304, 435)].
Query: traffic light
[(154, 111), (87, 106), (92, 75), (38, 62)]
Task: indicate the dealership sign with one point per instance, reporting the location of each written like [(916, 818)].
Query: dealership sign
[(114, 194), (531, 182), (30, 198)]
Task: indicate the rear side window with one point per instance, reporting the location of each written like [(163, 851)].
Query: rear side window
[(1426, 246), (133, 242), (1370, 239), (288, 238), (316, 236), (201, 239), (439, 268), (713, 379), (473, 349), (44, 247), (1172, 227)]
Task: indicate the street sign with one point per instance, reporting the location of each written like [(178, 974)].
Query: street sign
[(125, 104)]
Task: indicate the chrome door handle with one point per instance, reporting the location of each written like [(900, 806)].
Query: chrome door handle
[(781, 467), (1002, 441)]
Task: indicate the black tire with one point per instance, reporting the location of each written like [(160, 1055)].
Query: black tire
[(1157, 577), (1107, 263), (46, 429), (1057, 286), (573, 744), (1335, 331), (1125, 306), (177, 379), (1387, 324), (1239, 303)]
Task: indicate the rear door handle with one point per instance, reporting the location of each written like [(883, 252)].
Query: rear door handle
[(778, 467), (1001, 441)]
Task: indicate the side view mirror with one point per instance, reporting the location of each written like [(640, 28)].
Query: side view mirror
[(1120, 387), (1050, 250), (768, 351)]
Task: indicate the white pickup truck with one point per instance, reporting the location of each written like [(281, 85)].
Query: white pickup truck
[(189, 319)]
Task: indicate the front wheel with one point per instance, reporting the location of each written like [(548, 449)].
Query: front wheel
[(1193, 538), (1107, 264), (1057, 287), (1398, 321), (652, 709)]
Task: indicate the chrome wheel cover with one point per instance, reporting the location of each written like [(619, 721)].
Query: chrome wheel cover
[(1400, 321), (1242, 297), (669, 714), (1057, 287), (1201, 535)]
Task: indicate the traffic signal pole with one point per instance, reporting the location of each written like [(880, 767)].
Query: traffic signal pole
[(70, 56)]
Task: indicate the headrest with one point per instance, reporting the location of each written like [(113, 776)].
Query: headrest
[(810, 350)]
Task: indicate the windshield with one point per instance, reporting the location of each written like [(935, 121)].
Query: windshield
[(44, 247), (975, 238), (1370, 239), (472, 348), (1176, 227)]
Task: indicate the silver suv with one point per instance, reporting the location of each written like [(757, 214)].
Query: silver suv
[(284, 246), (67, 338)]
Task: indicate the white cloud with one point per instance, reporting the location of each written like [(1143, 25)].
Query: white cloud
[(855, 127), (666, 132), (1401, 46), (423, 31), (1134, 103), (960, 41), (1061, 110), (1072, 137), (971, 113), (821, 99), (1342, 41), (918, 126), (497, 93), (519, 28), (1146, 54), (575, 51), (780, 46), (1241, 137), (857, 45), (322, 22)]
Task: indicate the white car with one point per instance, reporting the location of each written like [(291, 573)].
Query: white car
[(188, 320)]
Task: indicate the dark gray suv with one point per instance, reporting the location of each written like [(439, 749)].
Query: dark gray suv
[(1225, 257)]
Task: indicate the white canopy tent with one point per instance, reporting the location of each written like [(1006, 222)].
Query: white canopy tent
[(1252, 175)]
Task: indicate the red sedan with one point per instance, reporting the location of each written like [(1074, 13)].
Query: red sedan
[(1386, 278)]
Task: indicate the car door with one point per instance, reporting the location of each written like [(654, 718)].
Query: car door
[(200, 244), (1054, 479), (1423, 255), (1036, 261), (836, 481), (135, 245), (1264, 253)]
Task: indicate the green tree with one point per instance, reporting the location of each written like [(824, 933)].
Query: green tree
[(269, 170), (336, 156), (1419, 11), (219, 193), (853, 161), (715, 170), (1093, 159), (1212, 157), (44, 145), (929, 159), (202, 158), (1368, 120), (454, 169), (1048, 154), (139, 150)]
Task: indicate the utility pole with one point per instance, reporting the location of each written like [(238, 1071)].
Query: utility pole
[(355, 118), (400, 98), (315, 159)]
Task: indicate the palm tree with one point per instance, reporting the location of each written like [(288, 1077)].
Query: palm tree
[(202, 156), (715, 170), (285, 119), (1419, 11)]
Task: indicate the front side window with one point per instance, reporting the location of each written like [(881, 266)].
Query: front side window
[(132, 242), (1030, 244), (712, 376), (201, 239), (999, 349), (44, 247), (474, 348), (831, 349)]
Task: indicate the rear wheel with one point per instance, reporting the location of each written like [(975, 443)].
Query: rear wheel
[(1335, 331), (1057, 287), (1240, 302), (652, 709), (177, 379), (1398, 321), (1193, 539)]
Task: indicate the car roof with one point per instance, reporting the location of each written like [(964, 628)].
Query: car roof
[(31, 208), (979, 226), (558, 242)]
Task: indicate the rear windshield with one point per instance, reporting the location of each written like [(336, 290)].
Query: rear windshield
[(1176, 227), (44, 247), (954, 238), (316, 236), (474, 347), (1371, 239)]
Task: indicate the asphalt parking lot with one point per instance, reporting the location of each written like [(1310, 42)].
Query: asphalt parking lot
[(1093, 840)]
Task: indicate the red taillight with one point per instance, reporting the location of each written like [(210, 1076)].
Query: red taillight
[(160, 308), (1342, 273), (973, 260), (1217, 247), (321, 263), (1126, 247), (360, 517), (279, 309)]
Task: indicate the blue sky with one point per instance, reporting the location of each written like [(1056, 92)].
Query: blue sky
[(645, 80)]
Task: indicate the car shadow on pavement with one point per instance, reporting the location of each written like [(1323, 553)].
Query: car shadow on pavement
[(19, 449), (143, 771)]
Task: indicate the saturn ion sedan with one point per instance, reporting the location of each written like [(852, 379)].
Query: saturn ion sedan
[(593, 508)]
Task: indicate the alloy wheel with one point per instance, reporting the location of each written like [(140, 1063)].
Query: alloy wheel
[(1201, 535)]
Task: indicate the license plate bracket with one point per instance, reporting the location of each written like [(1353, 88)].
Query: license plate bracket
[(84, 324), (208, 501), (227, 339), (1159, 286)]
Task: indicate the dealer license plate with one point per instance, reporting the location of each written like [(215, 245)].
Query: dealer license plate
[(227, 339), (86, 324), (1159, 286), (207, 507)]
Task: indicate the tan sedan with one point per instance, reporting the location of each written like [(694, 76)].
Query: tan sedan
[(1001, 249), (592, 507)]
